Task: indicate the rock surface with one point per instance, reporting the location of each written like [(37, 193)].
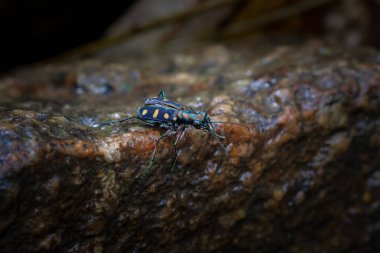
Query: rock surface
[(306, 178)]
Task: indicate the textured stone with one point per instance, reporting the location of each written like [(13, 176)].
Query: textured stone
[(304, 179)]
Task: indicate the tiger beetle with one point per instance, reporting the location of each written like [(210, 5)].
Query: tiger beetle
[(175, 118)]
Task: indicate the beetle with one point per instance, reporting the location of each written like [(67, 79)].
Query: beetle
[(174, 118), (199, 120)]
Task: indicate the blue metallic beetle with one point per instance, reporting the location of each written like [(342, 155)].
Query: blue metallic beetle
[(175, 118)]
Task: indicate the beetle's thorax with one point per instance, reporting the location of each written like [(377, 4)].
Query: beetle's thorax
[(197, 119)]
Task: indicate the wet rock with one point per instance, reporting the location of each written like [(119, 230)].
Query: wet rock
[(305, 178)]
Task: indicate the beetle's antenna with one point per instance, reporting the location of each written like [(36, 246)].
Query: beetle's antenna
[(116, 121), (230, 123)]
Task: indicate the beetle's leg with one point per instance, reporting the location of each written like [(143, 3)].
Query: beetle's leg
[(116, 121), (167, 126), (168, 132), (179, 138), (218, 140), (126, 119), (162, 94), (210, 129)]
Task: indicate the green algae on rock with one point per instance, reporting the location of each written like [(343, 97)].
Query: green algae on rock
[(306, 179)]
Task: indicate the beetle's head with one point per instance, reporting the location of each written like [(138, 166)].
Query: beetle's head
[(198, 119), (207, 125)]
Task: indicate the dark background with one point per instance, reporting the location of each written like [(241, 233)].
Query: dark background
[(39, 29), (36, 29)]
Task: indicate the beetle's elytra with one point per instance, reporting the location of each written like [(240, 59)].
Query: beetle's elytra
[(157, 114)]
